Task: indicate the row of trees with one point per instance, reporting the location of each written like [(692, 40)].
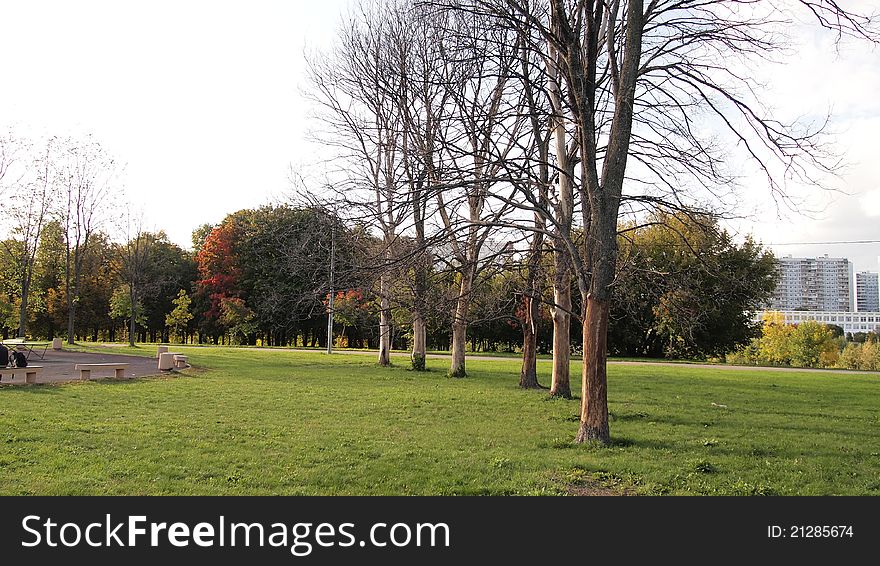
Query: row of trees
[(103, 305), (263, 277), (62, 186), (76, 262), (560, 127)]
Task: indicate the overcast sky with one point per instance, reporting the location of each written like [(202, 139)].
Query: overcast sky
[(201, 101)]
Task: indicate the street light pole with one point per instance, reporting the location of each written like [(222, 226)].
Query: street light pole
[(332, 290)]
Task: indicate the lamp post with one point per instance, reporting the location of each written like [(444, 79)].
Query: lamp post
[(332, 282)]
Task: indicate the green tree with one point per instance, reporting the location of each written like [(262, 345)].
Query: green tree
[(169, 269), (775, 344), (812, 345), (179, 318), (48, 293), (238, 319), (686, 289), (121, 307), (98, 281)]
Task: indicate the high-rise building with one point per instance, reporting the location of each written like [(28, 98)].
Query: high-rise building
[(814, 284), (867, 294)]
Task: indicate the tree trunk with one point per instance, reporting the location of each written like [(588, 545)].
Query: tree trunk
[(459, 327), (22, 313), (420, 285), (384, 323), (459, 339), (73, 295), (528, 377), (419, 348), (560, 385), (131, 323), (71, 315), (594, 390), (71, 339)]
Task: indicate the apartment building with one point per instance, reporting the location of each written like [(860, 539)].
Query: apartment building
[(814, 284), (867, 295)]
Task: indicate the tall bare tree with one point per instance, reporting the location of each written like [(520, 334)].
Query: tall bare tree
[(424, 100), (484, 126), (635, 77), (356, 87), (87, 177), (537, 158), (134, 258), (27, 220)]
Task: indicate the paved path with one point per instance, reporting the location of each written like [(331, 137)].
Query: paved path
[(613, 362), (59, 365)]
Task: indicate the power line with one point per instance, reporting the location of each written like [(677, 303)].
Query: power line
[(827, 243)]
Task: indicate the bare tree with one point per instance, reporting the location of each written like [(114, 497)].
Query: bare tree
[(86, 181), (424, 100), (28, 221), (356, 87), (635, 76), (134, 259), (537, 158), (483, 127), (33, 185)]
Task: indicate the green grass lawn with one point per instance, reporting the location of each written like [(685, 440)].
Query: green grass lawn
[(276, 422)]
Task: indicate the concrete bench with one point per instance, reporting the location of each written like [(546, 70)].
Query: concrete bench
[(20, 376), (180, 362), (85, 370), (166, 360)]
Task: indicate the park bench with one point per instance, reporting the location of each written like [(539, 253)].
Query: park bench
[(85, 370), (180, 362), (20, 376), (168, 360)]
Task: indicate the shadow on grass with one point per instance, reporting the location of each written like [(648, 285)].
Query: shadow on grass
[(628, 442), (617, 442), (31, 389)]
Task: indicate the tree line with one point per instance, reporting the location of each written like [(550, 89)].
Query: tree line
[(262, 276)]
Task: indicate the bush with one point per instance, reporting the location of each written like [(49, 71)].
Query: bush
[(870, 358), (864, 356), (811, 344), (747, 355), (808, 344)]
